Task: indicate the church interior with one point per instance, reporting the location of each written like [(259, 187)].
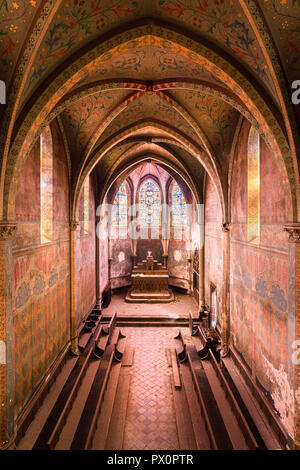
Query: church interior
[(150, 225)]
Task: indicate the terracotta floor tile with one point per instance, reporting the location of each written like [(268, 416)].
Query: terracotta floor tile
[(150, 421)]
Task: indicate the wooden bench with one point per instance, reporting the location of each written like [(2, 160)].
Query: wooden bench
[(208, 344), (175, 368), (103, 337), (210, 434), (85, 431), (193, 329), (51, 430), (86, 328), (219, 436), (120, 346), (181, 354), (94, 315), (247, 433), (68, 405), (96, 311)]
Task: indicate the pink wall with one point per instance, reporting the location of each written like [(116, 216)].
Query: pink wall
[(103, 260), (41, 274), (213, 244), (259, 286), (85, 253)]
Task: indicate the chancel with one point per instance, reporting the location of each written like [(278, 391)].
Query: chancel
[(149, 226), (150, 282)]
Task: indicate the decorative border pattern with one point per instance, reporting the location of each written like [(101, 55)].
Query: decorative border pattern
[(197, 152), (147, 35)]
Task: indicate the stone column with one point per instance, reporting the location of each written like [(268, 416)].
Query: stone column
[(165, 247), (294, 323), (201, 258), (73, 331), (98, 286), (133, 243), (7, 373), (225, 288), (201, 276)]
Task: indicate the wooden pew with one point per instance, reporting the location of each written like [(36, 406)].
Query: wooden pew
[(219, 436), (72, 392), (193, 329), (248, 435), (120, 346), (208, 344), (181, 354), (58, 415), (87, 327), (175, 368), (85, 431), (103, 337)]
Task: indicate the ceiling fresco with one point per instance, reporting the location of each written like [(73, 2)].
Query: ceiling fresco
[(122, 155), (224, 23), (110, 166), (77, 22), (82, 117), (283, 18), (53, 50), (152, 62), (217, 118), (150, 106), (15, 19)]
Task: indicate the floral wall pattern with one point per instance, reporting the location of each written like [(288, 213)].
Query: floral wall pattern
[(259, 282), (41, 275)]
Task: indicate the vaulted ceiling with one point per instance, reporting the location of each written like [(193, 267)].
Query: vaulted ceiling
[(130, 79)]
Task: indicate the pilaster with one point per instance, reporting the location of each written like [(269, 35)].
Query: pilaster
[(225, 288), (73, 332), (7, 373), (294, 323)]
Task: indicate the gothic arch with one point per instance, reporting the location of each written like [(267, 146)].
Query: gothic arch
[(150, 32)]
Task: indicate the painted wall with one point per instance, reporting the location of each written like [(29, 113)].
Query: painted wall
[(103, 257), (213, 244), (259, 285), (120, 249), (121, 265), (178, 264), (41, 274), (85, 257)]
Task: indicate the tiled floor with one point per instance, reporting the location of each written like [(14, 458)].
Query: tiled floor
[(179, 308), (150, 421)]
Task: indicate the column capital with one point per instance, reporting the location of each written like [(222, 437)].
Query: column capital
[(293, 230), (73, 225), (7, 229), (226, 226)]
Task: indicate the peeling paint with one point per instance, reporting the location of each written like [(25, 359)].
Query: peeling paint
[(282, 393)]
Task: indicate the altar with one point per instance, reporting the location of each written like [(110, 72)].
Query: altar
[(149, 282)]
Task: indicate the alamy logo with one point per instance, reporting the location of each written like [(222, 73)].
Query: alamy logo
[(2, 92), (296, 93)]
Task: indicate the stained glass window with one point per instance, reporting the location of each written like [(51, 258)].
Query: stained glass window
[(86, 205), (119, 211), (46, 181), (253, 186), (149, 204), (179, 211)]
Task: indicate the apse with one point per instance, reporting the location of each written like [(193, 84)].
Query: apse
[(153, 210)]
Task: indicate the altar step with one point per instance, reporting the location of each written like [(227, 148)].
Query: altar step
[(149, 320), (158, 296)]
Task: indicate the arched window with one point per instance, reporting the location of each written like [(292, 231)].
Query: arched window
[(179, 211), (86, 205), (119, 210), (46, 185), (253, 186), (149, 204)]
